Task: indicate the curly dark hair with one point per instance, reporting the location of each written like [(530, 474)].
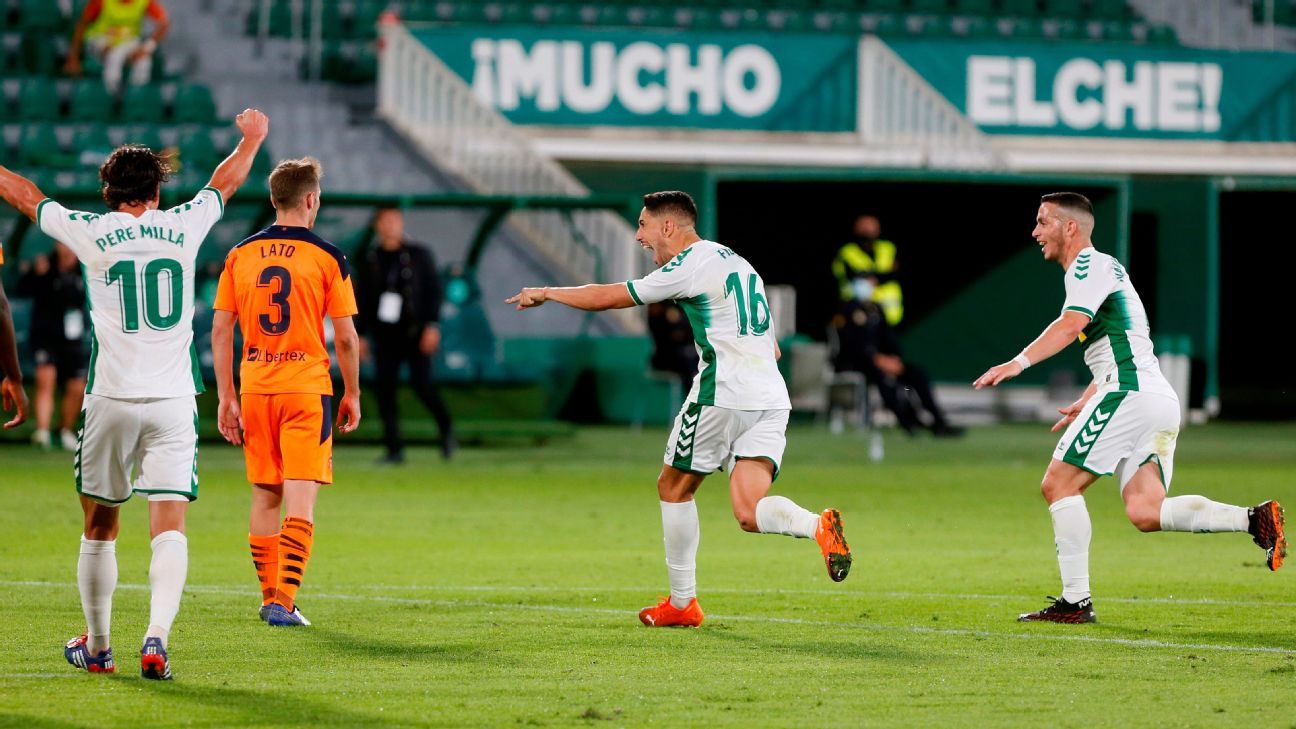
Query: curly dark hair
[(132, 174)]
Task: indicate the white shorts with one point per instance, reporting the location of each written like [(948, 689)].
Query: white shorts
[(156, 440), (1119, 432), (706, 438)]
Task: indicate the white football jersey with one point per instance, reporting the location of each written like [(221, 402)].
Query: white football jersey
[(139, 276), (733, 327), (1117, 342)]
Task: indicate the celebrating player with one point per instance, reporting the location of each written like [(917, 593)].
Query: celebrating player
[(280, 284), (12, 395), (139, 413), (1127, 420), (736, 413)]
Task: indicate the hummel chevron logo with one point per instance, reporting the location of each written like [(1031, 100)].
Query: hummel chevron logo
[(1089, 440), (1081, 276), (88, 217), (1101, 417), (1083, 449), (675, 263)]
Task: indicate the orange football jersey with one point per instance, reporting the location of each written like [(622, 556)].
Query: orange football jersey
[(281, 283)]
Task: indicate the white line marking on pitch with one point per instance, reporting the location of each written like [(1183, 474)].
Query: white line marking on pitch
[(872, 627)]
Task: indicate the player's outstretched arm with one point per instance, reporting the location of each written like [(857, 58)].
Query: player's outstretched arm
[(1064, 330), (229, 417), (233, 172), (20, 192), (12, 395), (347, 343), (591, 297)]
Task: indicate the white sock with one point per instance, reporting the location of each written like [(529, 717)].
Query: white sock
[(97, 578), (681, 533), (1071, 533), (781, 515), (1200, 514), (167, 573)]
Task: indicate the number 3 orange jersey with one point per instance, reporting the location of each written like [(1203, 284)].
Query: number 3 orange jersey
[(281, 283)]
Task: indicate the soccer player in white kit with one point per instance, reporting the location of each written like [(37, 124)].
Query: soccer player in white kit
[(736, 413), (139, 424), (1126, 422)]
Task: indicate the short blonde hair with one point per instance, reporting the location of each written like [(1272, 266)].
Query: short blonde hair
[(292, 179)]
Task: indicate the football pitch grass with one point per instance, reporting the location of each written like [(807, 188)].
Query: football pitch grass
[(501, 590)]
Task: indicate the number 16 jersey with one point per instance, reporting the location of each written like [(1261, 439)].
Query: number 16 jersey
[(733, 327), (281, 283), (139, 274)]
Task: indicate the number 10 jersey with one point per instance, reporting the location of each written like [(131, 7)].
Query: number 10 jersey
[(281, 283), (139, 274)]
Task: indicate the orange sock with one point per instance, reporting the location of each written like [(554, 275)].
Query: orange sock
[(295, 538), (265, 557)]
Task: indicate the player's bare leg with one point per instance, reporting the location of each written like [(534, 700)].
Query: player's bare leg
[(680, 535), (1063, 488), (167, 572), (756, 511), (96, 579), (1151, 510)]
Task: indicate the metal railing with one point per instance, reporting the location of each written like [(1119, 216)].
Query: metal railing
[(439, 112), (897, 107)]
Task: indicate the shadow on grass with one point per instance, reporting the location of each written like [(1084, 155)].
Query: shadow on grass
[(275, 706), (852, 645), (407, 651)]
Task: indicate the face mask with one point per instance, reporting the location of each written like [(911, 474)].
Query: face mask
[(863, 289)]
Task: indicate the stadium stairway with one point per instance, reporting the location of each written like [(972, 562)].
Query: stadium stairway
[(360, 154)]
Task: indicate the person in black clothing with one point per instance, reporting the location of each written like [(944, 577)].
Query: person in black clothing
[(58, 328), (868, 344), (673, 348), (399, 293)]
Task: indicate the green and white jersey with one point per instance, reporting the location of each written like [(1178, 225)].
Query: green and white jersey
[(1117, 342), (733, 326), (139, 276)]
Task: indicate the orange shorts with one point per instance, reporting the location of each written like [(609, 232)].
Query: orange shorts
[(288, 436)]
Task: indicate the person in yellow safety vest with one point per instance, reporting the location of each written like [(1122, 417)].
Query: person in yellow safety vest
[(874, 258), (114, 31)]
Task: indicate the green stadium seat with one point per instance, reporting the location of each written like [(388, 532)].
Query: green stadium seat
[(882, 6), (1068, 29), (929, 7), (1110, 9), (143, 104), (1163, 35), (364, 24), (889, 26), (832, 22), (41, 55), (147, 135), (40, 16), (91, 102), (974, 7), (1117, 31), (1020, 8), (1064, 8), (193, 103), (974, 27), (198, 151), (39, 147), (1016, 28), (37, 101)]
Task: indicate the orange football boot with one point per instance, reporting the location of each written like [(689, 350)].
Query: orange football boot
[(665, 615), (832, 542)]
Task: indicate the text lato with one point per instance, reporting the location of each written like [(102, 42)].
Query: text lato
[(281, 250)]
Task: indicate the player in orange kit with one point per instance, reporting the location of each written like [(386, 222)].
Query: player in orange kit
[(280, 284)]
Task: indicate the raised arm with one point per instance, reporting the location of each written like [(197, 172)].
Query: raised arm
[(20, 192), (591, 297), (12, 395), (229, 417), (233, 172), (1064, 330), (347, 343)]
